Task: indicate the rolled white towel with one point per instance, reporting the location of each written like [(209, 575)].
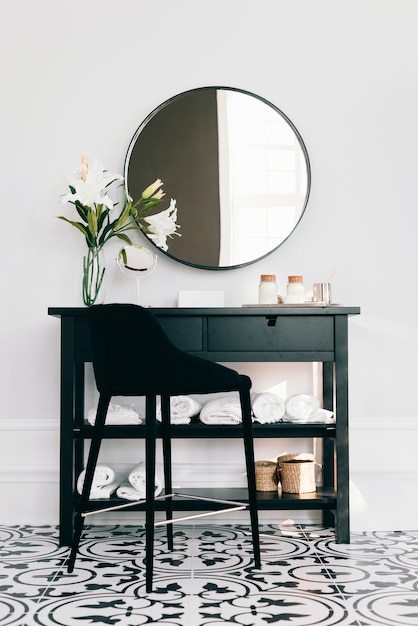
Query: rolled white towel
[(116, 415), (103, 485), (321, 416), (223, 410), (127, 492), (301, 406), (268, 407), (182, 409), (134, 487)]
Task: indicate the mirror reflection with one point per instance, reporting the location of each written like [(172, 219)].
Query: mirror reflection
[(235, 164), (136, 261)]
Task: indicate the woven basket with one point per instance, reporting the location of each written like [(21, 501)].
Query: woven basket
[(265, 475), (297, 473)]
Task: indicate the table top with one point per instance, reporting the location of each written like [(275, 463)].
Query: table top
[(245, 310)]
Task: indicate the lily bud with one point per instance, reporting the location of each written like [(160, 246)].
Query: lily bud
[(85, 167), (151, 190)]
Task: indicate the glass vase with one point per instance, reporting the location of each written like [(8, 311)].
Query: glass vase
[(93, 273)]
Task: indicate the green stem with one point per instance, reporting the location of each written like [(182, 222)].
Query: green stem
[(93, 275)]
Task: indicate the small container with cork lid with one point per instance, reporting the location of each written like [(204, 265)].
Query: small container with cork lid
[(267, 290), (295, 291)]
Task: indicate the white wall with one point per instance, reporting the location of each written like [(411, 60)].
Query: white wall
[(79, 77)]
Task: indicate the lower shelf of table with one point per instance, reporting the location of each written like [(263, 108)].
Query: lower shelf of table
[(198, 430), (320, 499)]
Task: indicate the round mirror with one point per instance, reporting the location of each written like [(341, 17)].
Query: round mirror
[(237, 168), (136, 261)]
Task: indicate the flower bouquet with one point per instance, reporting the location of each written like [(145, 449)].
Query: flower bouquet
[(99, 220)]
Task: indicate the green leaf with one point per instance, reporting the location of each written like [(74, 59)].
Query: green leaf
[(131, 226), (92, 222), (107, 229), (81, 211), (124, 238), (101, 219), (145, 208), (77, 225), (121, 220)]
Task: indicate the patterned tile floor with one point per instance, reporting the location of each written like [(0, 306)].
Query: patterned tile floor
[(306, 578)]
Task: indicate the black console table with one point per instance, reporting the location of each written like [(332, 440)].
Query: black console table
[(247, 334)]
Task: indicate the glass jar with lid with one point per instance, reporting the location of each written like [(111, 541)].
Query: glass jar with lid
[(267, 290), (295, 291)]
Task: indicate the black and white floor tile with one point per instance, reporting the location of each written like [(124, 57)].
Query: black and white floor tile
[(306, 578)]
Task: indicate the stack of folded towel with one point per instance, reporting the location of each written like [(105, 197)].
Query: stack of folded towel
[(182, 409), (116, 415), (134, 487), (223, 410), (103, 485)]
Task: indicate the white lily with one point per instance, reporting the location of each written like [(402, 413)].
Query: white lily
[(90, 181), (163, 225)]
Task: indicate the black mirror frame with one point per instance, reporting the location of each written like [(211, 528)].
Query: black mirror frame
[(260, 98)]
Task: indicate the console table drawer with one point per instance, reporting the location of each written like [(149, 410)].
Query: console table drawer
[(187, 332), (272, 333)]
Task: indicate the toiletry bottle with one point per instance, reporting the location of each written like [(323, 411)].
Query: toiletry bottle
[(267, 290), (295, 291)]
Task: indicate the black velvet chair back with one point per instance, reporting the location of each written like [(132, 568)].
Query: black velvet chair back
[(141, 359)]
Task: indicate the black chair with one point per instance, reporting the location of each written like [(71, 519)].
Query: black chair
[(133, 356)]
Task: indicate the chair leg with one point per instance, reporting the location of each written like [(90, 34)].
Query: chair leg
[(78, 529), (168, 483), (250, 466), (150, 436), (93, 455)]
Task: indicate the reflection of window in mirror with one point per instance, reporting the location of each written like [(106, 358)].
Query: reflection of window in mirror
[(263, 180)]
